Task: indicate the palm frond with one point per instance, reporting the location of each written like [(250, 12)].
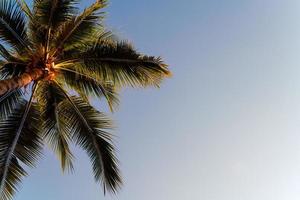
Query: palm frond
[(59, 49), (4, 53), (119, 63), (74, 30), (2, 65), (37, 33), (13, 25), (94, 37), (36, 2), (88, 127), (54, 128), (19, 142), (9, 102), (24, 6), (11, 69), (12, 66), (52, 13), (88, 85)]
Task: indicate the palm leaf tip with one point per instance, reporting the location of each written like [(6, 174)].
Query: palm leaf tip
[(164, 68), (20, 143), (118, 62), (54, 128), (88, 127)]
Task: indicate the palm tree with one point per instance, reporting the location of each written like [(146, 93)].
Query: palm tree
[(54, 59)]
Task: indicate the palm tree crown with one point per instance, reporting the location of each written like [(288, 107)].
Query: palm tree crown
[(54, 50)]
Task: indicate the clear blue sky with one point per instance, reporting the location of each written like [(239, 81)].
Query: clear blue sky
[(225, 127)]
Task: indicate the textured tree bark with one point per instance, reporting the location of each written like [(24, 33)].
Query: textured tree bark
[(20, 81)]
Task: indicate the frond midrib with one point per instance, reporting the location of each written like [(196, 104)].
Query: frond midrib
[(15, 141)]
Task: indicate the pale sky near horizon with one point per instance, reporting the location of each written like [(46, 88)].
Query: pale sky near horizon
[(226, 126)]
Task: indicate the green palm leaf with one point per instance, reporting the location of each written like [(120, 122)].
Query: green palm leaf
[(119, 63), (9, 102), (52, 13), (87, 85), (19, 142), (88, 127), (13, 25), (54, 127), (12, 99), (75, 30), (12, 66), (24, 6), (59, 50)]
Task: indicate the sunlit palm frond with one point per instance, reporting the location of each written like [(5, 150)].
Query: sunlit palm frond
[(87, 85), (99, 35), (55, 131), (74, 30), (88, 128), (119, 63), (58, 137), (13, 25), (24, 6)]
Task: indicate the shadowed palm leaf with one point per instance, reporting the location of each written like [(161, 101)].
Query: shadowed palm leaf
[(46, 53), (20, 142), (13, 26)]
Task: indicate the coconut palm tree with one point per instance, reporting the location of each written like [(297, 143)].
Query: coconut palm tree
[(54, 59)]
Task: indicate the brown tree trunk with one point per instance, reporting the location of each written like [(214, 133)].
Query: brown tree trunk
[(20, 81)]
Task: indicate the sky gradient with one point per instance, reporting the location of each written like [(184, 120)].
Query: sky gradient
[(226, 126)]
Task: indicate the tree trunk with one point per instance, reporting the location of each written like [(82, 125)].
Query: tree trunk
[(20, 81)]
